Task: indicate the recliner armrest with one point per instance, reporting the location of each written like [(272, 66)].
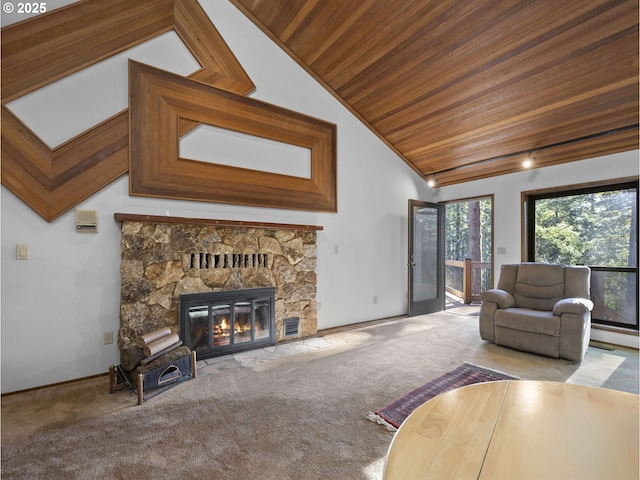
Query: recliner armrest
[(500, 297), (579, 306)]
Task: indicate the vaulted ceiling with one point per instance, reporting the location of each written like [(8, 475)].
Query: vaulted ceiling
[(467, 89)]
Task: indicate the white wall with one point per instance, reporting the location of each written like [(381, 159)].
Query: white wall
[(56, 305), (507, 204)]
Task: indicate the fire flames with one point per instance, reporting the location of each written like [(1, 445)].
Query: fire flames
[(223, 329)]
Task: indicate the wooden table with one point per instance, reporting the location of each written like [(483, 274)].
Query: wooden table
[(519, 430)]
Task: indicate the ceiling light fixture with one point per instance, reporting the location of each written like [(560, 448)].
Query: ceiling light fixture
[(432, 181), (528, 162)]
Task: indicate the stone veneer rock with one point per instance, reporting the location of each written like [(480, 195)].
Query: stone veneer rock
[(161, 261)]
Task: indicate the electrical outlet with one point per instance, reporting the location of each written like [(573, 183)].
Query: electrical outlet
[(107, 338)]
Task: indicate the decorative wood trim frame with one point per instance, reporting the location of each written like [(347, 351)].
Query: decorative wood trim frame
[(52, 181), (159, 100)]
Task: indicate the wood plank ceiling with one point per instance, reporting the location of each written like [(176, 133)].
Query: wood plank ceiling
[(467, 89)]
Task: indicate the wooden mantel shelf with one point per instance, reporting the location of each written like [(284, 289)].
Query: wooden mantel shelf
[(130, 217)]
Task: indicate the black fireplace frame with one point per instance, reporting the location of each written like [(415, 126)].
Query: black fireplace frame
[(191, 300)]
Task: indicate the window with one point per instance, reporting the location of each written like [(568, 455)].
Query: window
[(595, 226), (469, 235)]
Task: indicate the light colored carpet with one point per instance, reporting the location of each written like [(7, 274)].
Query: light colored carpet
[(295, 411)]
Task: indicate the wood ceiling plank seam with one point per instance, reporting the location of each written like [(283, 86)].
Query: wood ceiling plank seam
[(369, 52), (343, 37), (598, 149), (502, 101), (511, 53), (258, 16), (461, 94), (491, 38), (501, 104), (470, 160), (489, 35), (616, 137), (518, 141), (353, 46), (299, 21), (538, 111), (344, 28), (408, 76), (420, 50), (599, 121), (604, 121), (624, 141), (465, 157), (276, 14)]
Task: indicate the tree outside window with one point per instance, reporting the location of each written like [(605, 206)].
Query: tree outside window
[(597, 227)]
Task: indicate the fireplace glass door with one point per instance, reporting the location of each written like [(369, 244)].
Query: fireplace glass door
[(218, 323)]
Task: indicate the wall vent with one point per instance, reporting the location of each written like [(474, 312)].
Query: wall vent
[(207, 261), (291, 326)]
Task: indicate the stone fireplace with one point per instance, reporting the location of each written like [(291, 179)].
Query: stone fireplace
[(164, 258)]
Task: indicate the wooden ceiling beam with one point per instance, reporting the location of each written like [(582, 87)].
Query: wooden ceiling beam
[(599, 145)]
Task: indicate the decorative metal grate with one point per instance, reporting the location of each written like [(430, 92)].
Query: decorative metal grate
[(206, 261), (291, 326)]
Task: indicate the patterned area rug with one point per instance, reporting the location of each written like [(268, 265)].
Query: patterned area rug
[(393, 414)]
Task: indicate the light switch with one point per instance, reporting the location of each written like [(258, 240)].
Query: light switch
[(22, 252)]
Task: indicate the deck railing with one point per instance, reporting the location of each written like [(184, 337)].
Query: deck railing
[(474, 274)]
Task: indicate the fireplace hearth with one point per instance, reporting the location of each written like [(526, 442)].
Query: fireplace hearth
[(219, 323)]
